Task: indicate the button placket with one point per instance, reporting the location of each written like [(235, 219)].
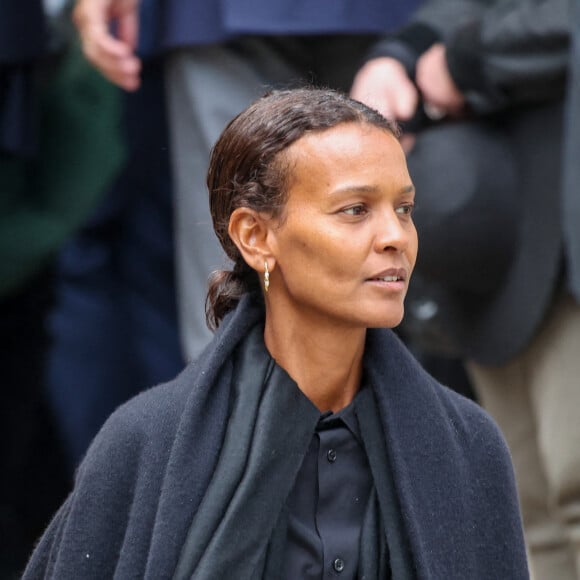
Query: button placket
[(331, 509)]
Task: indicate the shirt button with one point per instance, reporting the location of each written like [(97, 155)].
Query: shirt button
[(338, 565), (331, 455)]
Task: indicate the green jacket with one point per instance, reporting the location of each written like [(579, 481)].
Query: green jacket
[(45, 197)]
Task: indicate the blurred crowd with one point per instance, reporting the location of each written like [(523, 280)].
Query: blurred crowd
[(108, 112)]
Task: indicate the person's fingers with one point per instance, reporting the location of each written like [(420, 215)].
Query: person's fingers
[(383, 84), (128, 29), (407, 142), (368, 88), (437, 87), (113, 57), (433, 112), (113, 60), (405, 100)]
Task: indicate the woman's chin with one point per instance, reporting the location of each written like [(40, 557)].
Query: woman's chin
[(388, 319)]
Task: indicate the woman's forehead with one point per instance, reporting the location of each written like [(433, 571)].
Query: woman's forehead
[(343, 146), (344, 138)]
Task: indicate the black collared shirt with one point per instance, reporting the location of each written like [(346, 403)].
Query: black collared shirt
[(328, 502)]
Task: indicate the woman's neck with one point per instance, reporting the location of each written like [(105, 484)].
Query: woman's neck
[(325, 361)]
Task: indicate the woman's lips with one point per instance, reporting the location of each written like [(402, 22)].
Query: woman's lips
[(391, 275)]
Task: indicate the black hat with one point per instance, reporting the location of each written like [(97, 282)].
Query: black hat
[(489, 237)]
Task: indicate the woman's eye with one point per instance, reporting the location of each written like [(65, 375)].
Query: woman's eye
[(406, 209), (355, 210)]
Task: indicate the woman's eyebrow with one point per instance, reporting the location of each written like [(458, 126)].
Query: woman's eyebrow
[(346, 189)]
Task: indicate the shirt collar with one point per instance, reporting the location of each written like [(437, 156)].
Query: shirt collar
[(345, 417)]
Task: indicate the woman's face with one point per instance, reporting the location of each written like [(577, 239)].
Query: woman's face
[(346, 245)]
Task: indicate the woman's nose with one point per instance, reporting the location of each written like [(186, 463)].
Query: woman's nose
[(394, 232)]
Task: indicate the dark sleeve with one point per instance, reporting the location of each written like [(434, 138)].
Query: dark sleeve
[(431, 23), (513, 53), (500, 53)]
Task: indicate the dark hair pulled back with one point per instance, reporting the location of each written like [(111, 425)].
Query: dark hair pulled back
[(247, 169)]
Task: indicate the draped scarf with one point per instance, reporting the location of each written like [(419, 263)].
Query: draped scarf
[(241, 522)]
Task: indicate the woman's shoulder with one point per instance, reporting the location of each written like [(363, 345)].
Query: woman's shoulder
[(118, 485), (466, 414), (413, 387), (470, 434), (156, 410), (474, 430)]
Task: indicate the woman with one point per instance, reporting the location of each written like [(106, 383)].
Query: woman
[(305, 442)]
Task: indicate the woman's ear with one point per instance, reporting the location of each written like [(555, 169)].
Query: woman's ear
[(248, 229)]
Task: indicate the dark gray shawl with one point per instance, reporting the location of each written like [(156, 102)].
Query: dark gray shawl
[(145, 476)]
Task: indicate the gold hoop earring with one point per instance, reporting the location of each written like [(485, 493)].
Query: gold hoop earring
[(266, 277)]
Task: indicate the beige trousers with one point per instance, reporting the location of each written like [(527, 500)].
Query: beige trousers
[(535, 399)]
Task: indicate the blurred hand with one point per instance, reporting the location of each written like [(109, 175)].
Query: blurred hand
[(383, 84), (113, 55), (438, 90)]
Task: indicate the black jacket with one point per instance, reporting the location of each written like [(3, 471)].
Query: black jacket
[(147, 472)]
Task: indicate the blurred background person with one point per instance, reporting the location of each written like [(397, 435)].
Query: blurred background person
[(58, 151), (113, 327), (501, 69)]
